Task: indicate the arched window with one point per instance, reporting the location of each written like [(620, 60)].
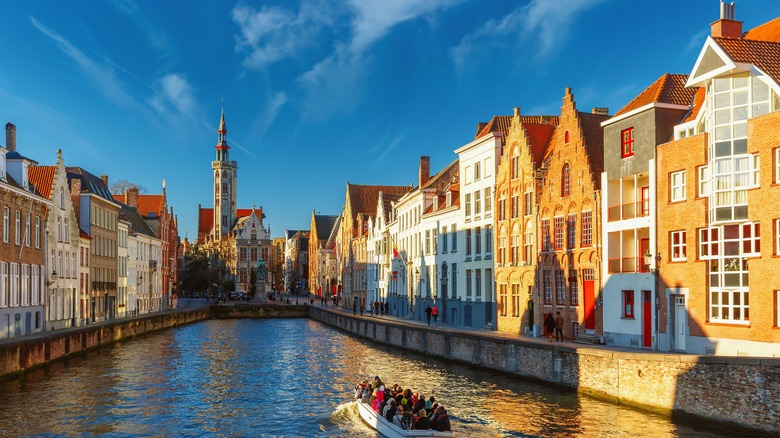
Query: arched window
[(565, 178)]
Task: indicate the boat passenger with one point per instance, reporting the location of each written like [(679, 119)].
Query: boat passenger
[(441, 421), (420, 404), (367, 395), (407, 422), (377, 403), (422, 422), (390, 409), (398, 417)]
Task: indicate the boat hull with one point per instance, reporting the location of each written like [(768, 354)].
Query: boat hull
[(389, 429)]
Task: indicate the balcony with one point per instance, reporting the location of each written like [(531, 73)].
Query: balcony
[(629, 211), (627, 265)]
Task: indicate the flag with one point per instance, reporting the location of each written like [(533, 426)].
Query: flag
[(395, 251)]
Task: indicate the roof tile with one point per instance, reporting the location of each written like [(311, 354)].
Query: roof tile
[(669, 88)]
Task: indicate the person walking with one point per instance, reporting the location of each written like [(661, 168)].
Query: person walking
[(435, 313), (549, 326), (387, 307), (428, 312), (558, 326)]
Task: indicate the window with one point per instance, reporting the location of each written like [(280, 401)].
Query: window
[(27, 230), (548, 292), (678, 240), (528, 242), (468, 242), (529, 203), (515, 206), (468, 284), (435, 234), (704, 181), (565, 177), (546, 243), (502, 300), (777, 236), (571, 230), (777, 308), (488, 239), (454, 240), (573, 289), (477, 173), (516, 300), (627, 143), (515, 166), (454, 280), (587, 228), (477, 203), (18, 230), (478, 240), (678, 186), (566, 137), (628, 304), (487, 200), (6, 214), (558, 224), (427, 242), (37, 231), (560, 288), (468, 205), (777, 165), (478, 283), (501, 209), (444, 240)]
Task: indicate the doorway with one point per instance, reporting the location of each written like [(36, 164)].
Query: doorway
[(680, 322), (589, 299), (647, 319)]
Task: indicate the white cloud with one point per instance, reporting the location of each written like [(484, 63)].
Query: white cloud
[(273, 33), (542, 23), (264, 120), (176, 92), (156, 38), (102, 76)]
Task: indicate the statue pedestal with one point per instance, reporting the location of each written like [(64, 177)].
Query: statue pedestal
[(260, 292)]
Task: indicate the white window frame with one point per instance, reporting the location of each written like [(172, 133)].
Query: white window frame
[(777, 236), (704, 181), (677, 184), (777, 165), (678, 245)]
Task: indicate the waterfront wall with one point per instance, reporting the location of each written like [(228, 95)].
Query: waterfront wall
[(258, 311), (17, 355), (738, 390)]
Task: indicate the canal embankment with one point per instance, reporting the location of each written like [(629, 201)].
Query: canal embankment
[(741, 391)]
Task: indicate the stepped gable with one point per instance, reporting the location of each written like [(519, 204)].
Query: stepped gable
[(444, 177), (387, 204), (769, 31), (763, 54), (496, 124), (539, 131), (206, 219), (42, 178), (669, 88)]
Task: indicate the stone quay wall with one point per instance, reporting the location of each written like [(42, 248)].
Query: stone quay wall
[(223, 311), (39, 349), (737, 391)]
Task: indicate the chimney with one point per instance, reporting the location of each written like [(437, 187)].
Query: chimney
[(517, 111), (727, 26), (131, 196), (600, 110), (105, 179), (75, 194), (425, 169), (10, 137)]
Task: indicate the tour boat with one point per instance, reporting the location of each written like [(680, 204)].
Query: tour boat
[(389, 429)]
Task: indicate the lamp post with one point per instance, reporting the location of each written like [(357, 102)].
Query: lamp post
[(52, 279), (653, 265), (444, 281)]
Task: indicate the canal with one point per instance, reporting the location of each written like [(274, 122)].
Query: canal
[(287, 377)]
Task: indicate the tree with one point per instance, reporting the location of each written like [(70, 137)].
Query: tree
[(119, 187)]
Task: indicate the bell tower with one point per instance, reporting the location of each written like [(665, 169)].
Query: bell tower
[(225, 184)]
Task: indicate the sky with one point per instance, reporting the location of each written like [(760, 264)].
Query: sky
[(317, 93)]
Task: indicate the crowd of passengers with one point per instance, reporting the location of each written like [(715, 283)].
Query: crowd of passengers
[(404, 408)]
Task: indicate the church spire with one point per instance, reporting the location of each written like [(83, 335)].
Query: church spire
[(222, 145)]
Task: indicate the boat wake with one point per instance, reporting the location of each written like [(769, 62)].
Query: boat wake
[(346, 418)]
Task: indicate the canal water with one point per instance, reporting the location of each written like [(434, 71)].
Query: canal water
[(287, 377)]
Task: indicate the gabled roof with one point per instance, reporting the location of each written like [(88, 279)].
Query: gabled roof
[(594, 140), (150, 204), (387, 204), (769, 31), (763, 54), (323, 225), (539, 131), (289, 234), (496, 124), (137, 223), (42, 178), (363, 199), (206, 217), (444, 177), (669, 88), (90, 183)]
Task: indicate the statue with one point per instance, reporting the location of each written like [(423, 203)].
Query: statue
[(261, 271)]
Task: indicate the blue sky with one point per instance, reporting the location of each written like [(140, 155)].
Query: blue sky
[(317, 93)]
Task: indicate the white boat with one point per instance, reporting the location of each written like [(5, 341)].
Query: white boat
[(389, 429)]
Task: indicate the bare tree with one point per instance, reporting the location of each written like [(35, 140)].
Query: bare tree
[(119, 187)]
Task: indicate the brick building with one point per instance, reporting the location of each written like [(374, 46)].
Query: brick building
[(718, 200), (23, 276), (321, 228), (516, 223), (568, 205)]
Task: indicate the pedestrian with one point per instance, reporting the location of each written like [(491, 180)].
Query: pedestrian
[(354, 308), (549, 326), (428, 312), (558, 326), (362, 307), (376, 308), (387, 308), (435, 313)]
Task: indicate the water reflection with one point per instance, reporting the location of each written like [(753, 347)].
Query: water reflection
[(229, 378)]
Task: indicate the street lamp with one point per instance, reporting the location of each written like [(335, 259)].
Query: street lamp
[(654, 269)]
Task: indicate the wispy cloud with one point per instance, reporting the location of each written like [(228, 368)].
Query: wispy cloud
[(388, 147), (174, 93), (273, 33), (542, 23), (156, 37), (697, 41), (335, 83), (101, 75), (266, 117)]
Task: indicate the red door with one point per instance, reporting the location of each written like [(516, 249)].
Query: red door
[(647, 319), (589, 301)]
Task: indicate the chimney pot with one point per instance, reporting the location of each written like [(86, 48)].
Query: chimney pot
[(10, 137), (726, 26), (131, 197), (425, 169), (517, 111), (105, 179)]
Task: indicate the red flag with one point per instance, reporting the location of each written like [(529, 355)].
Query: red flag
[(395, 251)]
